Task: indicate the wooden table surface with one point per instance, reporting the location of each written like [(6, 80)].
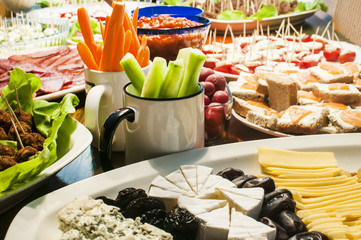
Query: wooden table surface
[(87, 164)]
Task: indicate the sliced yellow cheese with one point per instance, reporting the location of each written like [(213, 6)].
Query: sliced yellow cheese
[(318, 222), (314, 192), (302, 173), (340, 201), (313, 182), (356, 192), (315, 216), (353, 235), (291, 159)]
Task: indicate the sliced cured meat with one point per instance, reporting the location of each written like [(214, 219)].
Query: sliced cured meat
[(63, 59), (6, 64), (51, 84), (31, 68)]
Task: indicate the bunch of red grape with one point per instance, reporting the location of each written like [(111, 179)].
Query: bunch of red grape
[(216, 101)]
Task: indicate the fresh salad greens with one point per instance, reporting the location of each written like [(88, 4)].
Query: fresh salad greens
[(75, 31), (179, 79), (265, 12), (50, 119), (307, 6), (48, 3), (271, 11), (177, 2)]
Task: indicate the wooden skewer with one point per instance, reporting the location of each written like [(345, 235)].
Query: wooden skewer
[(324, 31), (338, 40), (13, 123)]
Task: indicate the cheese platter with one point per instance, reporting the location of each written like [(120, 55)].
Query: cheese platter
[(39, 216)]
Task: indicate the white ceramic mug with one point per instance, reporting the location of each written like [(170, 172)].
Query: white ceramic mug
[(104, 95), (155, 127)]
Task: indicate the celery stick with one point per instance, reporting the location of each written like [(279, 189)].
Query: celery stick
[(172, 80), (155, 77), (133, 71), (194, 65)]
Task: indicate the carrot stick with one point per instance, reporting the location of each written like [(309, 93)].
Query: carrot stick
[(99, 53), (119, 49), (102, 29), (86, 29), (135, 42), (116, 20), (140, 52), (146, 57), (107, 19), (86, 56), (135, 18), (128, 36)]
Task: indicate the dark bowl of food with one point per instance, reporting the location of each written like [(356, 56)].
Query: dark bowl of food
[(166, 34)]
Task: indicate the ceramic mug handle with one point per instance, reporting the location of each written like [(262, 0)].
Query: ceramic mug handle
[(91, 110), (107, 134)]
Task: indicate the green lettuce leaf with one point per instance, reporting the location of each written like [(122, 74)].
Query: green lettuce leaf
[(265, 12), (76, 28), (307, 6), (232, 15), (177, 2), (51, 120)]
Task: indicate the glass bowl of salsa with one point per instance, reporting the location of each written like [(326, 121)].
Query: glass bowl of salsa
[(167, 34)]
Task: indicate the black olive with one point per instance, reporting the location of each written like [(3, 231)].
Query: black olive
[(106, 200), (281, 233), (156, 217), (291, 223), (309, 236), (141, 205), (276, 192), (276, 205), (230, 173), (127, 195), (266, 183), (241, 180), (182, 224)]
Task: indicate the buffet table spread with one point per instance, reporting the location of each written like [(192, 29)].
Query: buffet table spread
[(87, 164)]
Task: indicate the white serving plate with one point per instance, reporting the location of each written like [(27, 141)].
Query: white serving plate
[(38, 219), (272, 22), (98, 9), (258, 128), (79, 141)]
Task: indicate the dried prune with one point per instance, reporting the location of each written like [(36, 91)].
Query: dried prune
[(106, 200), (182, 224), (141, 205), (156, 217), (276, 205), (127, 195), (230, 173), (241, 180), (281, 233), (276, 192), (266, 183), (309, 236), (291, 223)]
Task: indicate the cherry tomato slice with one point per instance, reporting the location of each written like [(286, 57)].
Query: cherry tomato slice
[(225, 68), (347, 57), (308, 64), (332, 55)]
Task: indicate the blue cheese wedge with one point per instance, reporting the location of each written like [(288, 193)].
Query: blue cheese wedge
[(86, 218), (246, 228)]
